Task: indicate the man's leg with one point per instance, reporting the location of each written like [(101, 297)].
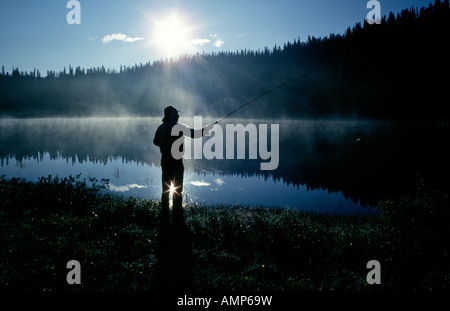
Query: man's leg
[(178, 194), (167, 177)]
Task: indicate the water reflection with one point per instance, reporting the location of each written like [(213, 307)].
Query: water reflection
[(143, 181), (346, 163)]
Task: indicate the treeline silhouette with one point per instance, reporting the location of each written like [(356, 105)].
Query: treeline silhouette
[(395, 69)]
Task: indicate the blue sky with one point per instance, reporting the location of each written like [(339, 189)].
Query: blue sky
[(36, 34)]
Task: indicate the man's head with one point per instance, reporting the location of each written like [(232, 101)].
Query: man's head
[(170, 114)]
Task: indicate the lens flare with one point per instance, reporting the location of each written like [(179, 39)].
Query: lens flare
[(171, 189)]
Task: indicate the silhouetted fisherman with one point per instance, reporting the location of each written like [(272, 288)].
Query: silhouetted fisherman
[(173, 169)]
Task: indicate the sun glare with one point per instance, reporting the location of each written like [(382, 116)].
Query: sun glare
[(171, 35), (171, 189)]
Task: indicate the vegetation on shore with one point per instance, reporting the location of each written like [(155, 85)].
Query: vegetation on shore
[(118, 242)]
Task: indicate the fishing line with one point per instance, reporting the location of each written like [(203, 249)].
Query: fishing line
[(268, 92)]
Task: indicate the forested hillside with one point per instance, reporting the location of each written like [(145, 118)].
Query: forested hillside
[(396, 69)]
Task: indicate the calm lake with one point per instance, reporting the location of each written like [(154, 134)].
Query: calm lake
[(333, 166)]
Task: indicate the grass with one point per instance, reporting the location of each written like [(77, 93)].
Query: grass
[(120, 243)]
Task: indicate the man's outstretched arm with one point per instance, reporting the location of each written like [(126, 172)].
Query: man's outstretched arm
[(200, 133)]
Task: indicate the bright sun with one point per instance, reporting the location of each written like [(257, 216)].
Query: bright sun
[(171, 35), (171, 189)]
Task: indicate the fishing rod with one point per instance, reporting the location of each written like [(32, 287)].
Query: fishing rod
[(268, 92)]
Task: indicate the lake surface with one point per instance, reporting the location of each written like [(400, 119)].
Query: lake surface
[(334, 166)]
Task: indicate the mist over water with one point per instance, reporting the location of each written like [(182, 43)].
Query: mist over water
[(339, 165)]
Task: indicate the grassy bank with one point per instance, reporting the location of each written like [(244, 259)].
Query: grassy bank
[(122, 245)]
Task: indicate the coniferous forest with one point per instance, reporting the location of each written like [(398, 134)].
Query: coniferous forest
[(396, 70)]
